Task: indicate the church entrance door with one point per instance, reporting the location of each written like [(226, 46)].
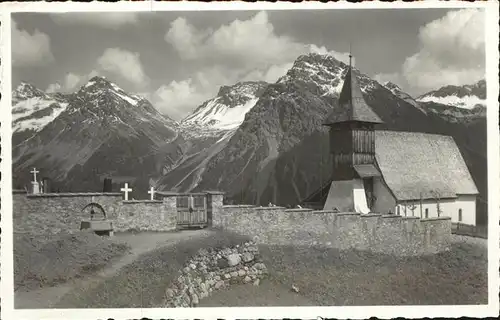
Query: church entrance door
[(370, 197)]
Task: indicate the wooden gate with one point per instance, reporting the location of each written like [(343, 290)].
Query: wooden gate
[(191, 211)]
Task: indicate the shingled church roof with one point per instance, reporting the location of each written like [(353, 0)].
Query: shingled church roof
[(416, 165), (351, 104)]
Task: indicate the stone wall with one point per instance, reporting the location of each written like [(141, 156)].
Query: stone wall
[(52, 213), (390, 234), (62, 212), (212, 270), (146, 215)]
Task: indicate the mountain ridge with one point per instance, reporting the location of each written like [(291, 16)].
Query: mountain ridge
[(465, 96), (276, 151), (100, 127)]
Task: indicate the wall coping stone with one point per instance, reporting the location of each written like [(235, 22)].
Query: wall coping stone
[(299, 210), (171, 193), (391, 216), (269, 208), (229, 206), (411, 218), (324, 211), (214, 192), (348, 213), (19, 191), (142, 201), (167, 193), (76, 194), (368, 215), (435, 219)]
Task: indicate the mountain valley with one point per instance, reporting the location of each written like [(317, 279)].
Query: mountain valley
[(259, 142)]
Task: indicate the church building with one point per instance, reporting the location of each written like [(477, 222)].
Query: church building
[(391, 172)]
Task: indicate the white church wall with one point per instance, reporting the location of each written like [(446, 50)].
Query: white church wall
[(468, 205), (384, 201), (449, 208), (429, 208), (359, 196)]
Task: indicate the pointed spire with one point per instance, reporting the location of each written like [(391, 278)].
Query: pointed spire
[(350, 56), (352, 105)]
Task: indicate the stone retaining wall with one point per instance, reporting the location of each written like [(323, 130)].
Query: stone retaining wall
[(147, 215), (53, 213), (213, 270), (390, 234)]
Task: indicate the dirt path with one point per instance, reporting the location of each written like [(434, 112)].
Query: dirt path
[(140, 243)]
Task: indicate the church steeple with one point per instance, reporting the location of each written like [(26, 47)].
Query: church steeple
[(351, 104)]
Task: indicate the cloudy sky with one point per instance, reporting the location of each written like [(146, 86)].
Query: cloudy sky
[(180, 59)]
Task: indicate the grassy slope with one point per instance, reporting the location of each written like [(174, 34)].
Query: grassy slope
[(331, 277), (48, 261), (143, 282), (324, 277)]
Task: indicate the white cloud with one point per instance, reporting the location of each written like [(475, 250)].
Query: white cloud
[(125, 64), (70, 82), (271, 74), (341, 56), (253, 41), (111, 20), (395, 78), (30, 50), (239, 51), (452, 52), (176, 97), (54, 87)]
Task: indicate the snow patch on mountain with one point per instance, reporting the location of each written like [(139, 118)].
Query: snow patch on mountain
[(466, 102), (220, 116), (24, 114), (398, 92), (226, 111), (465, 97), (33, 109), (126, 98), (327, 73)]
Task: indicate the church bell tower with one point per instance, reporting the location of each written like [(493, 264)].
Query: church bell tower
[(352, 146)]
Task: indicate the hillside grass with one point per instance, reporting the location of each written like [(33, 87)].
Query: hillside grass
[(354, 278), (45, 261), (323, 276), (142, 284)]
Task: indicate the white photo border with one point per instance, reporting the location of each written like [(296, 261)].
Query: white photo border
[(361, 312)]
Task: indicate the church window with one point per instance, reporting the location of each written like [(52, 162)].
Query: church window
[(460, 215), (427, 212)]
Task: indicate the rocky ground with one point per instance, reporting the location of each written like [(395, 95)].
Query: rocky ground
[(212, 270), (305, 276)]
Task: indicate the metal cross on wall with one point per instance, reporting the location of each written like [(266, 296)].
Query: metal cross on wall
[(152, 193), (34, 171), (126, 189)]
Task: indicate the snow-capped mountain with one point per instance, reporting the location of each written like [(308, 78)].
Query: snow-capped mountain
[(101, 130), (272, 150), (467, 96), (32, 109), (278, 153), (228, 109), (398, 92)]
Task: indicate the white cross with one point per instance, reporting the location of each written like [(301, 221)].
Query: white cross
[(152, 193), (34, 171), (126, 190)]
